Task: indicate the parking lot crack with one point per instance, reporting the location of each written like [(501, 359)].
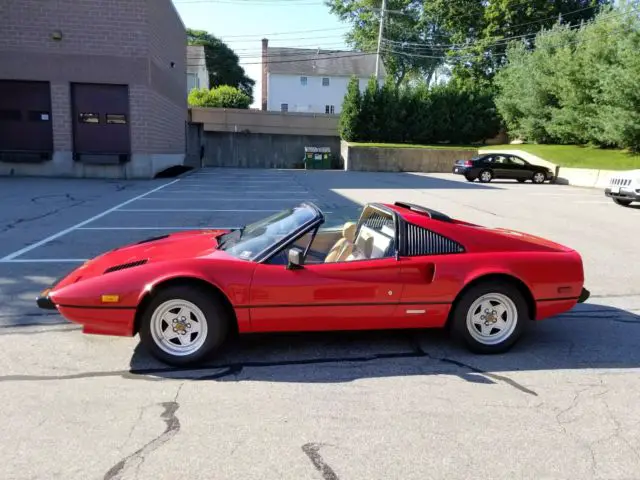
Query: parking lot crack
[(20, 221), (501, 378), (312, 450), (172, 427)]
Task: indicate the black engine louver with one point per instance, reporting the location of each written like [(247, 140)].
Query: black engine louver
[(421, 241), (122, 266)]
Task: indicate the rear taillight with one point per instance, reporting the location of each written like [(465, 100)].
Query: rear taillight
[(468, 163)]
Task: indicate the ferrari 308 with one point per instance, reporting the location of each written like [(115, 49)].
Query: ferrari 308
[(399, 266)]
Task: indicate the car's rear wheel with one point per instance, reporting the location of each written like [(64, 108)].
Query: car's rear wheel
[(538, 177), (620, 201), (183, 324), (470, 178), (486, 176), (490, 317), (521, 180)]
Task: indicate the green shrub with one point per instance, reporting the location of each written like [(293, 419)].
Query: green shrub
[(442, 114), (224, 96)]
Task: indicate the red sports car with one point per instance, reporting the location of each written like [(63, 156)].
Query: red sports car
[(399, 266)]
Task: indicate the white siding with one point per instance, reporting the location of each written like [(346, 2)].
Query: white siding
[(312, 97)]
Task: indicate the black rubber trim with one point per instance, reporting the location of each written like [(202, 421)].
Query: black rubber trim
[(584, 295), (556, 299), (45, 303), (98, 308), (342, 304)]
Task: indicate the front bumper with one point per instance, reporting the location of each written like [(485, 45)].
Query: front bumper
[(43, 301), (584, 295), (623, 194)]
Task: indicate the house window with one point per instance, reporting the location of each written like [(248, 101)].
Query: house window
[(329, 109), (284, 107), (303, 81), (325, 81)]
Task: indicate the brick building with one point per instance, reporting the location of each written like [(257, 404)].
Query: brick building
[(91, 88)]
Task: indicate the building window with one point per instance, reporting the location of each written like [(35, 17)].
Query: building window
[(89, 118), (329, 109), (325, 81), (303, 81), (284, 107), (37, 116), (116, 118)]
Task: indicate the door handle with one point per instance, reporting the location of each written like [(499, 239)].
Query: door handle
[(430, 272)]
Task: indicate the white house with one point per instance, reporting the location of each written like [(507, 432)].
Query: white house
[(311, 80), (197, 73)]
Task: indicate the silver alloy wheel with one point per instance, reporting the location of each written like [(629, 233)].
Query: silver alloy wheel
[(486, 175), (538, 177), (492, 318), (178, 327)]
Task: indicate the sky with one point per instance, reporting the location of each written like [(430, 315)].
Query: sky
[(242, 24)]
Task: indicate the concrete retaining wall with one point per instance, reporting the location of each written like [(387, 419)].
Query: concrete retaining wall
[(260, 150), (585, 177), (388, 159)]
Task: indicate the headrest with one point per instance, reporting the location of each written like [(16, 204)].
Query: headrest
[(349, 231)]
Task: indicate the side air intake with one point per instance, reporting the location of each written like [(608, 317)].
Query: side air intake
[(122, 266), (421, 241)]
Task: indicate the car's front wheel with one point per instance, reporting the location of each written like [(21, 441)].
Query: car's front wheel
[(183, 324), (620, 201), (538, 177), (490, 317)]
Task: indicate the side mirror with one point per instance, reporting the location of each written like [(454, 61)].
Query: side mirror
[(295, 259)]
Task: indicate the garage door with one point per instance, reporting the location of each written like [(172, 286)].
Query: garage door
[(100, 123), (25, 121)]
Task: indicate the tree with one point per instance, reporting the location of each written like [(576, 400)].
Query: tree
[(403, 28), (470, 35), (224, 96), (222, 62), (577, 86), (348, 125)]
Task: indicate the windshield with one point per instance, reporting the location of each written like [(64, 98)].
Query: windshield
[(246, 243)]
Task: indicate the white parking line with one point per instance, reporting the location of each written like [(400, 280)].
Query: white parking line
[(45, 260), (270, 192), (189, 210), (156, 228), (218, 199), (28, 248)]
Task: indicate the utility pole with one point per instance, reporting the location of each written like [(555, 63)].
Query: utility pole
[(384, 6)]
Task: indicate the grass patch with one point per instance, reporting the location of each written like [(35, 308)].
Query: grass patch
[(576, 156), (411, 145)]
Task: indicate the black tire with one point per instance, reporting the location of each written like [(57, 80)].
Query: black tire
[(470, 178), (485, 176), (521, 180), (624, 203), (461, 330), (538, 177), (215, 315)]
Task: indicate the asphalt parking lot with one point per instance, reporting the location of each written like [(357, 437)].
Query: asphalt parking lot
[(368, 405)]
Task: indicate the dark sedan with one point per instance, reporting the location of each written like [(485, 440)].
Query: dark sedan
[(501, 165)]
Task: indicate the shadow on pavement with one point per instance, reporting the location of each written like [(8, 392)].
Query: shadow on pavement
[(591, 336)]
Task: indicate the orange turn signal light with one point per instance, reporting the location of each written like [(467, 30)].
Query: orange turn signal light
[(110, 298)]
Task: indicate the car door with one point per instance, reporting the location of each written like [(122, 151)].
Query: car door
[(520, 169), (350, 295), (501, 167)]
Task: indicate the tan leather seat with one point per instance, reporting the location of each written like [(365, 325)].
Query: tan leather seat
[(344, 246)]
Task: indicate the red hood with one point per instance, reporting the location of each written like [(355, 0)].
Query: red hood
[(174, 246)]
